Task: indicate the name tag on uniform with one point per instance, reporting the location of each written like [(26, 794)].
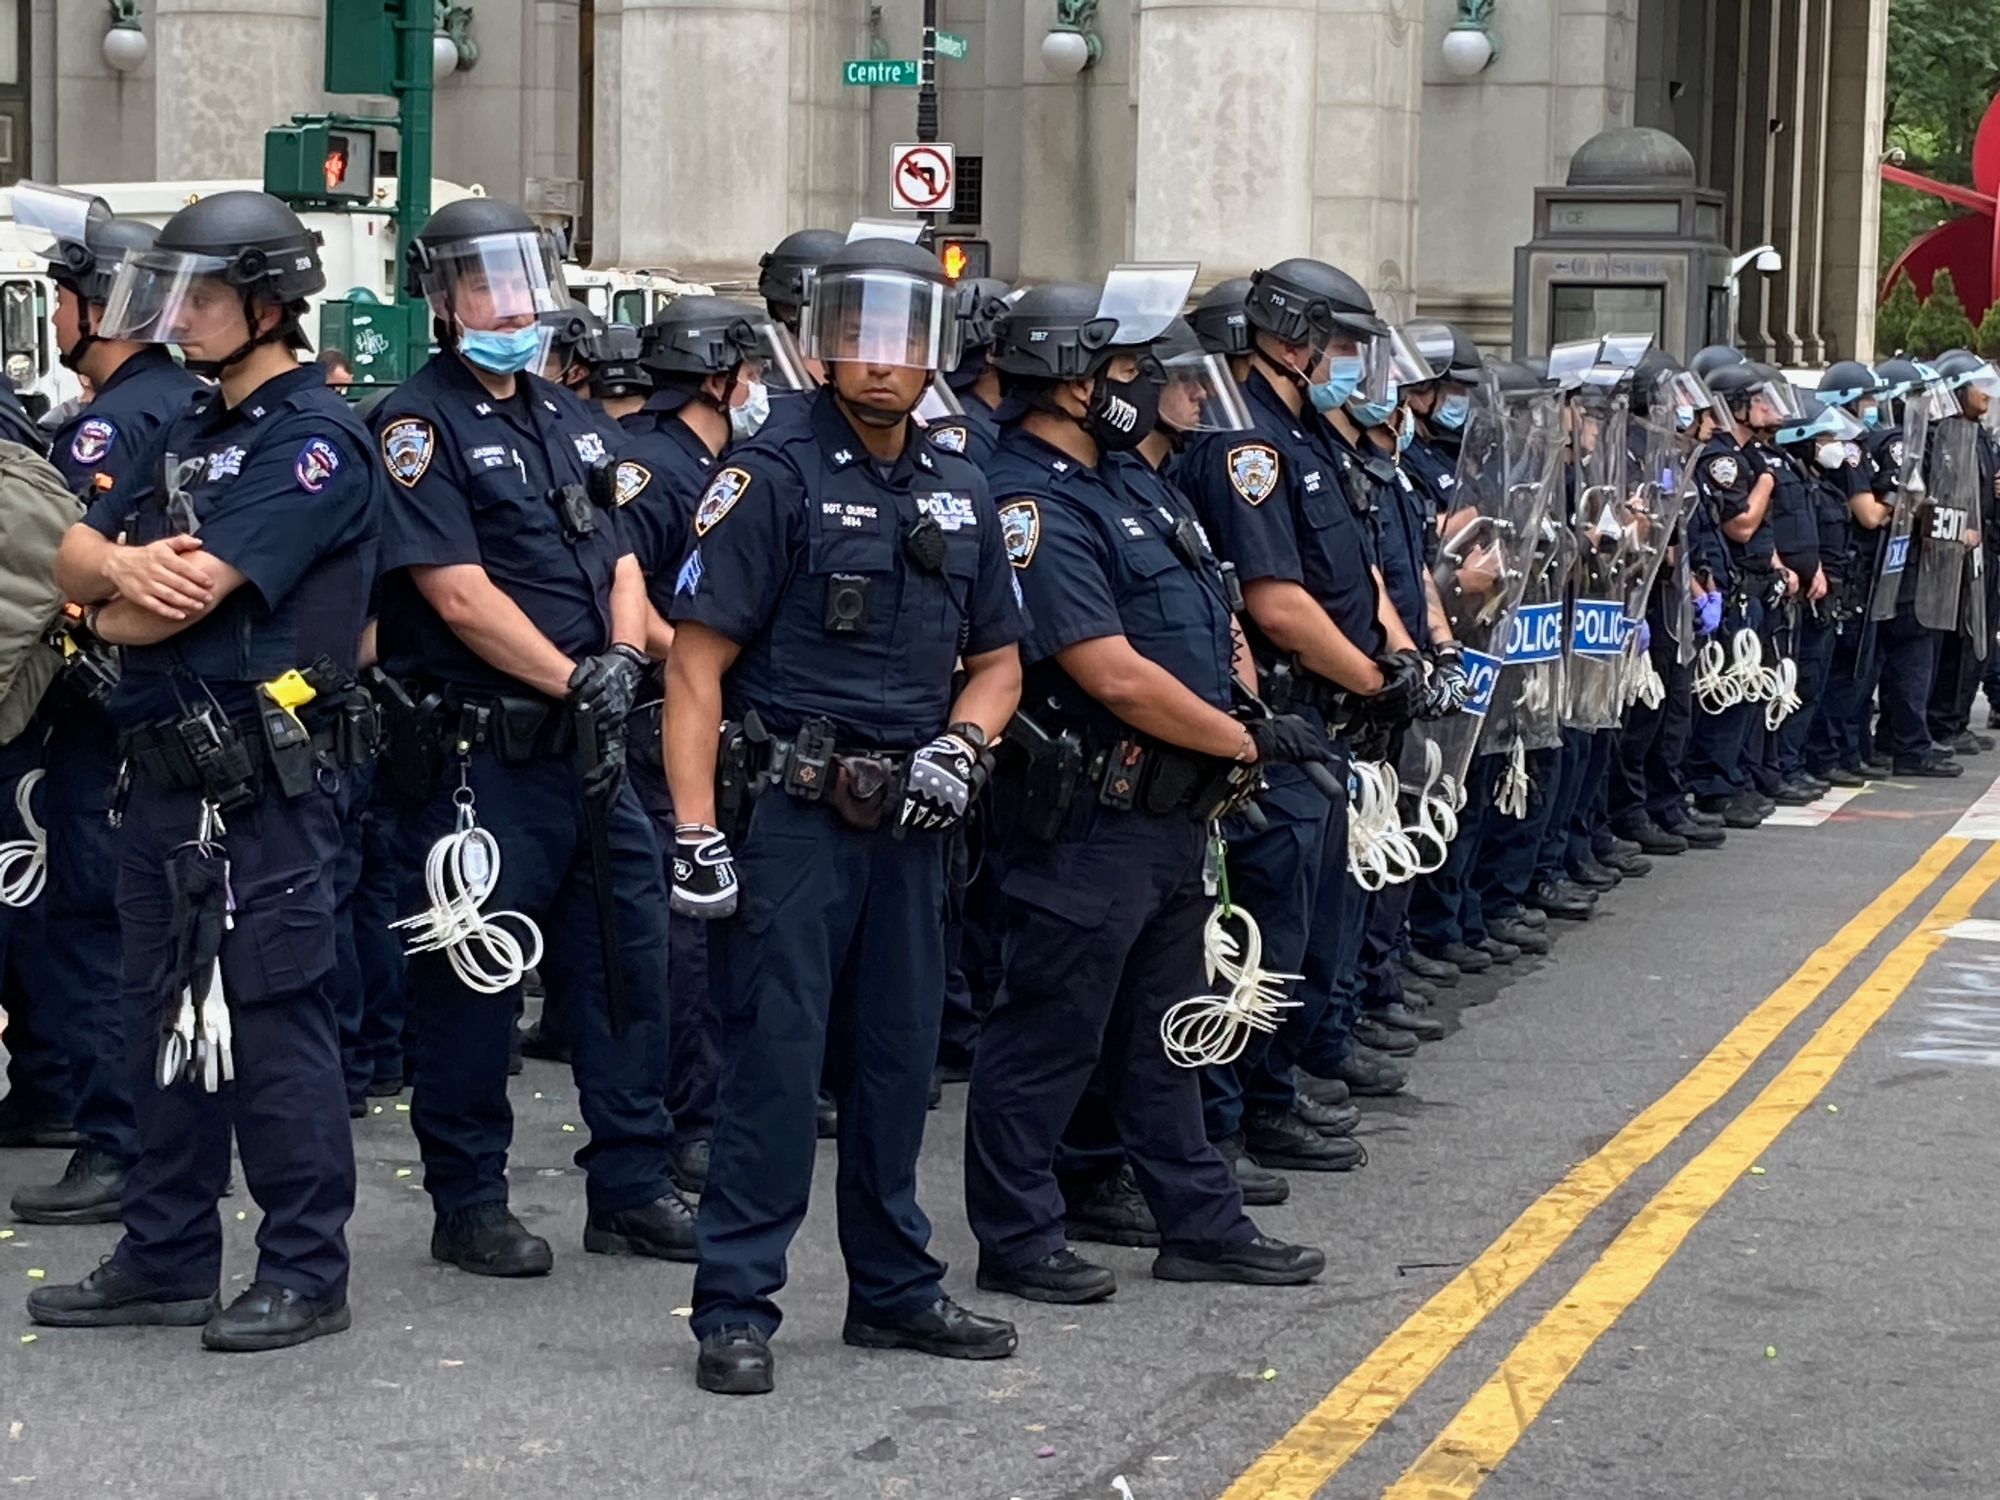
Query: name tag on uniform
[(492, 456), (852, 517), (1133, 528)]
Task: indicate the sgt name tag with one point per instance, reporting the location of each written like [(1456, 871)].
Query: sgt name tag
[(855, 517)]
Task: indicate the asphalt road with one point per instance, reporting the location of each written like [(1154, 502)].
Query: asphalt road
[(1760, 1268)]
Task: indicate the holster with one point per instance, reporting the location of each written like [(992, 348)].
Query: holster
[(863, 791), (1053, 767)]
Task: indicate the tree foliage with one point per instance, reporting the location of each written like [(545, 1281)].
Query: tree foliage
[(1942, 324), (1893, 319), (1986, 338), (1944, 69)]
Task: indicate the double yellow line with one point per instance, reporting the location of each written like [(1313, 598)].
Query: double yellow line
[(1486, 1428)]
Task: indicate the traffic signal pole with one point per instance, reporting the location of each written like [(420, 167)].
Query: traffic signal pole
[(927, 104), (414, 27)]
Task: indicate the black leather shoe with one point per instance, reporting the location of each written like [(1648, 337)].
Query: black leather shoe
[(1846, 776), (1371, 1031), (544, 1046), (826, 1118), (735, 1360), (35, 1132), (1795, 794), (1327, 1119), (385, 1088), (1438, 971), (944, 1329), (1878, 763), (113, 1297), (487, 1240), (1593, 876), (1934, 766), (687, 1164), (1965, 742), (1519, 935), (1559, 898), (1699, 835), (1405, 1017), (1655, 841), (1260, 1186), (1110, 1211), (1370, 1075), (1468, 959), (1287, 1143), (1259, 1262), (1532, 916), (1739, 811), (1820, 784), (1630, 865), (1418, 992), (267, 1316), (660, 1230), (1765, 805), (1061, 1276), (87, 1194), (1500, 951), (1320, 1090)]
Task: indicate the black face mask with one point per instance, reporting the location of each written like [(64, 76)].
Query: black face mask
[(1122, 413)]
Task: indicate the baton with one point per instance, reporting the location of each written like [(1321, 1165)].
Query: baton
[(589, 751)]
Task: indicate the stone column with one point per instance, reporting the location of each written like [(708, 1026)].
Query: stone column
[(1076, 150), (1369, 86), (1851, 251), (225, 71)]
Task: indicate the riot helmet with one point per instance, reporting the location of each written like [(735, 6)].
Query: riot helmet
[(1707, 361), (879, 306), (229, 256), (1847, 381), (1756, 395), (611, 356), (697, 337), (1221, 319), (784, 274), (1200, 394), (567, 328), (489, 272), (982, 302), (1314, 305)]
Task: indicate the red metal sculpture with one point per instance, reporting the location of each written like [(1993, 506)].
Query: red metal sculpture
[(1967, 246)]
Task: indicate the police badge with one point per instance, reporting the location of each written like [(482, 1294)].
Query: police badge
[(1021, 530), (1722, 472), (719, 499), (407, 446), (630, 479), (949, 439), (1253, 470), (93, 440)]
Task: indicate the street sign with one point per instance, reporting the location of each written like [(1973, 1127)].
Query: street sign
[(922, 178), (953, 46), (880, 73)]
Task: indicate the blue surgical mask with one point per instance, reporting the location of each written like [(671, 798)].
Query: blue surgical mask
[(1684, 418), (747, 420), (1343, 374), (502, 353), (1872, 417), (1451, 412), (1407, 431), (1372, 413)]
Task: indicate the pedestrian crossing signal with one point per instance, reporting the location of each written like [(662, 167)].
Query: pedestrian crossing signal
[(965, 259)]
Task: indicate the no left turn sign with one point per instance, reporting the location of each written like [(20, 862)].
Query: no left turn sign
[(922, 178)]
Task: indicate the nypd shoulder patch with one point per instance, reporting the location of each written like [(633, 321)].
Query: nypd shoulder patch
[(1723, 471), (1021, 530), (407, 447), (630, 479), (1253, 471), (317, 463), (719, 499), (92, 441), (950, 439)]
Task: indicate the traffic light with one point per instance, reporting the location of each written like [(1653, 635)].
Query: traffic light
[(965, 260), (314, 161)]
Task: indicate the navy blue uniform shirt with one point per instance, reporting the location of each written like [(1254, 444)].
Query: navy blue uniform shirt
[(660, 522), (974, 435), (1722, 478), (474, 481), (1285, 505), (114, 441), (801, 517), (285, 491), (1095, 549)]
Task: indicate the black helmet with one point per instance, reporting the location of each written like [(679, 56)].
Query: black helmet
[(783, 272), (1220, 320), (695, 337), (1448, 349), (491, 244), (611, 354), (1707, 361), (1847, 382), (265, 243), (1648, 375), (1306, 301), (982, 302), (78, 236), (1053, 332), (1898, 376), (1178, 342), (456, 224), (569, 327), (881, 300)]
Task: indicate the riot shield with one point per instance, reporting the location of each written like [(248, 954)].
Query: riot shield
[(1504, 483), (1525, 712), (1907, 453), (1952, 480), (1661, 491), (1603, 532), (1972, 597)]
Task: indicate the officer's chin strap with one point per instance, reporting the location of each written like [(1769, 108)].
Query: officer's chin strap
[(1436, 809), (1379, 853), (460, 872), (1215, 1028), (195, 1045), (24, 863)]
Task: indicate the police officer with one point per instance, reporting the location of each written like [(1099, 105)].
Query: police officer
[(1222, 323), (1130, 653), (1973, 384), (842, 568), (785, 271), (615, 384), (514, 620), (244, 562), (102, 448), (1816, 450), (982, 302)]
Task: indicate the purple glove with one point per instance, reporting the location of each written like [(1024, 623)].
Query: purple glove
[(1645, 637), (1708, 613)]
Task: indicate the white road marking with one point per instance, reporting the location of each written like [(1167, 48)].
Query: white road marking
[(1982, 819), (1815, 813)]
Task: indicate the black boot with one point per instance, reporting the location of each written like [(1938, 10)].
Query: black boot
[(487, 1240), (944, 1329), (1628, 862), (87, 1194), (1498, 949), (1655, 841), (20, 1128), (1371, 1075), (1110, 1211), (1062, 1276), (1593, 876), (1937, 766), (1407, 1018), (1320, 1090), (735, 1360), (1327, 1119), (660, 1230), (1286, 1142), (687, 1162), (1468, 958), (1438, 971), (1559, 898), (1518, 935), (1260, 1186), (268, 1316), (1262, 1261), (113, 1297), (1371, 1031)]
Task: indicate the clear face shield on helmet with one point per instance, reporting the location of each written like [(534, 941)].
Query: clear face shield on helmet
[(1982, 378), (174, 297), (1773, 403), (1201, 395), (1686, 397), (1140, 298), (495, 281), (771, 356), (54, 223), (880, 317)]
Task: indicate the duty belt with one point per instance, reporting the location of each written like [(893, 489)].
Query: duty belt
[(862, 785), (426, 718), (229, 758)]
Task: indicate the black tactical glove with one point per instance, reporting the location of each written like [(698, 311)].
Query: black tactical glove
[(1449, 686), (1290, 739), (607, 685), (1402, 688), (943, 778), (704, 873), (604, 776)]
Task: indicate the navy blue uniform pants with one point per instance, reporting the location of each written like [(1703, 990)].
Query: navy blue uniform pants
[(1836, 736), (1812, 651), (1439, 900), (1908, 653), (378, 950), (1552, 852), (1719, 741), (694, 1042), (835, 956), (1509, 845), (458, 1106), (82, 909), (288, 1105), (1103, 936)]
